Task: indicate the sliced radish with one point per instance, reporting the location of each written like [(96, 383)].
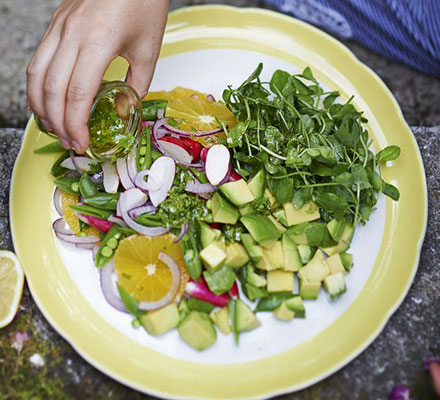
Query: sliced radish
[(101, 225), (163, 170), (200, 290), (196, 147), (153, 183), (233, 292), (217, 165), (111, 178), (234, 176), (199, 188), (83, 164), (131, 164), (203, 154), (176, 149), (121, 167)]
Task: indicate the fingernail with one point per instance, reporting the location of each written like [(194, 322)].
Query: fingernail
[(65, 143), (46, 124), (77, 146)]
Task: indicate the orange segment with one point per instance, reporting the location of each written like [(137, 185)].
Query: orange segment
[(71, 219), (195, 109), (139, 270)]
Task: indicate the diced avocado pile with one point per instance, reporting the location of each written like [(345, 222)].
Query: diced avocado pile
[(272, 244)]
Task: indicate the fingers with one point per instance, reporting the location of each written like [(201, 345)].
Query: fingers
[(84, 84), (36, 74), (139, 76), (55, 87)]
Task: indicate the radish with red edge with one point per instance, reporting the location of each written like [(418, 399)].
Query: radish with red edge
[(163, 170), (121, 167), (203, 154), (199, 290), (101, 225), (234, 176), (217, 165), (111, 178), (233, 292), (196, 147), (177, 149)]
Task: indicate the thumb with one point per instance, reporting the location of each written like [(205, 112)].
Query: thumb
[(139, 76)]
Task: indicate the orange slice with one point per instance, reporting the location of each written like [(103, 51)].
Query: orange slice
[(71, 219), (141, 273), (11, 286)]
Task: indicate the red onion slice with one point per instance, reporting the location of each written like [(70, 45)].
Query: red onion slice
[(131, 199), (160, 113), (200, 133), (62, 233), (117, 220), (131, 164), (199, 188), (86, 246), (142, 210), (121, 167), (57, 201), (182, 233), (109, 289), (168, 298)]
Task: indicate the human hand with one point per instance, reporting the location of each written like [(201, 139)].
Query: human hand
[(83, 36)]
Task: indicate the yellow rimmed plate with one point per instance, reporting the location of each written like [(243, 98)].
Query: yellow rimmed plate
[(207, 48)]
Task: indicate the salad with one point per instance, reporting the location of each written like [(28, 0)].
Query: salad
[(225, 209)]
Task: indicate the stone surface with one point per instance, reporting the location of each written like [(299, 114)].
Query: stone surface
[(395, 357), (24, 21)]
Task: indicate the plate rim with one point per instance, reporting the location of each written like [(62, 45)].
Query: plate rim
[(64, 333)]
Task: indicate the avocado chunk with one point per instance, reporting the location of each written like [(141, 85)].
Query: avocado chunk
[(280, 227), (347, 233), (222, 211), (292, 260), (245, 320), (236, 255), (280, 216), (296, 304), (261, 228), (298, 233), (339, 248), (347, 261), (221, 319), (334, 284), (273, 202), (280, 281), (238, 192), (305, 253), (256, 184), (256, 280), (199, 305), (336, 227), (253, 292), (247, 209), (284, 313), (273, 258), (334, 263), (308, 212), (162, 320), (207, 234), (255, 252), (183, 309), (221, 280), (309, 290), (214, 255), (197, 330), (315, 270)]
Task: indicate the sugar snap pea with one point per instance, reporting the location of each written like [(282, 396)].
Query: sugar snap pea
[(86, 186), (151, 107), (143, 155), (54, 147), (148, 220), (92, 211), (106, 252), (68, 184), (105, 201), (190, 251), (199, 175), (57, 170)]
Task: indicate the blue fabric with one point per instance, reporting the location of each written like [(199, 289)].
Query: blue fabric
[(403, 30)]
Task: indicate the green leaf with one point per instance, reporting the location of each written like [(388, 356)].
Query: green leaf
[(360, 175), (130, 303), (279, 81), (282, 189), (199, 305), (301, 197), (252, 76), (221, 280), (330, 99), (391, 191), (375, 180), (332, 203), (349, 132), (389, 153), (315, 233), (308, 74), (235, 134)]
